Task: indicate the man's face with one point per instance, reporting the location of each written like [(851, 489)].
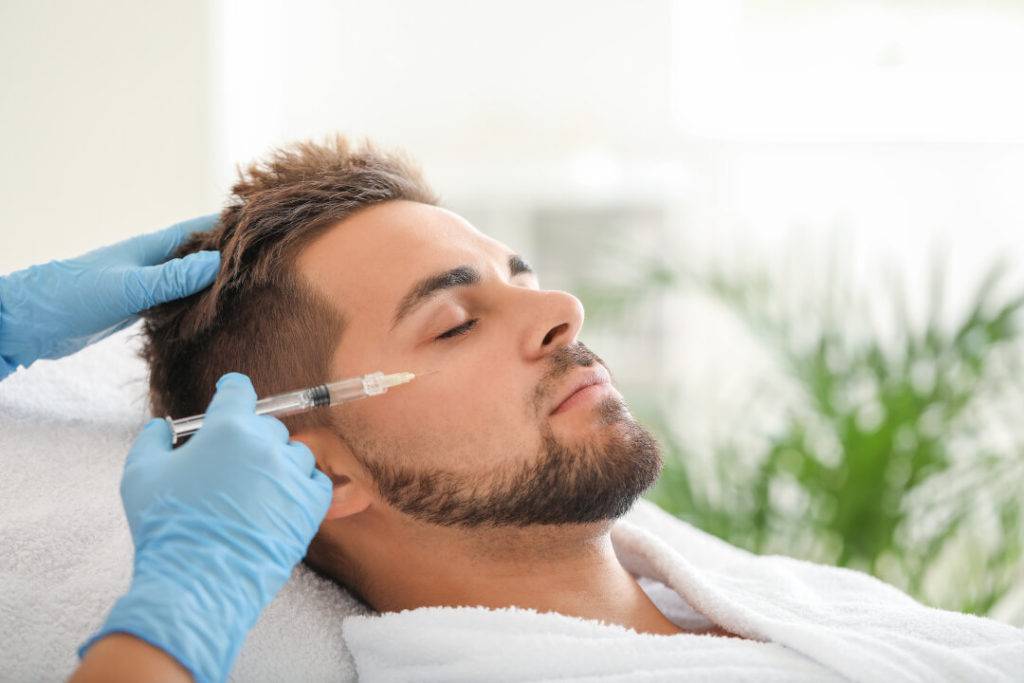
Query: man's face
[(477, 442)]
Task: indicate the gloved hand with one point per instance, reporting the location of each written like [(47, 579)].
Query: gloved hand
[(218, 524), (57, 308)]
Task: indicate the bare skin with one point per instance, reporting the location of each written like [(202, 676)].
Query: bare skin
[(573, 572), (124, 658), (477, 426)]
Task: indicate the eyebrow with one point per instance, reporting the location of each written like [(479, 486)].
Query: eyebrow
[(460, 276)]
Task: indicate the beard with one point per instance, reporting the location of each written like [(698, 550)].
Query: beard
[(590, 481)]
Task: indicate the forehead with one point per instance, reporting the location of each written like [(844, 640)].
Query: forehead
[(368, 261)]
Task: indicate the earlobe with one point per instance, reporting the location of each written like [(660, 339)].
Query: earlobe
[(350, 497)]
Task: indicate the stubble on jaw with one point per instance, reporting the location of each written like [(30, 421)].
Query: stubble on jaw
[(592, 481)]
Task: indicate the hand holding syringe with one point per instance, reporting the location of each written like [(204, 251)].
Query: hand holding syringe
[(303, 400)]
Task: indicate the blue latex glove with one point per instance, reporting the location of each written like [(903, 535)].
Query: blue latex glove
[(218, 525), (57, 308)]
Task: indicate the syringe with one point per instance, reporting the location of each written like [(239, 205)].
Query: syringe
[(303, 400)]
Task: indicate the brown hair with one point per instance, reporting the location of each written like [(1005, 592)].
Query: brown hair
[(259, 317)]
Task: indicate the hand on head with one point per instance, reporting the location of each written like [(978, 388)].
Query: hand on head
[(56, 308)]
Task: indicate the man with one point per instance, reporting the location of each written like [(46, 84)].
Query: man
[(492, 482), (496, 481)]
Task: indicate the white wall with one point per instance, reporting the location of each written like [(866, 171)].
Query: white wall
[(104, 126), (486, 95)]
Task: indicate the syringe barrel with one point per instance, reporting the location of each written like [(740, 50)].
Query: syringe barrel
[(278, 406), (293, 402)]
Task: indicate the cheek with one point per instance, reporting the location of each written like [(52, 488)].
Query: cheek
[(481, 396), (455, 427)]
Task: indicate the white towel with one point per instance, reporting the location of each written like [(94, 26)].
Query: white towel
[(65, 428), (65, 549), (804, 622)]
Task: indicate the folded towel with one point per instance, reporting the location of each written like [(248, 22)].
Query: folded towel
[(65, 428)]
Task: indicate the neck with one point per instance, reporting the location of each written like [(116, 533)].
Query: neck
[(569, 569)]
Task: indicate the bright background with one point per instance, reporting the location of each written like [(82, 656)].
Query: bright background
[(698, 172)]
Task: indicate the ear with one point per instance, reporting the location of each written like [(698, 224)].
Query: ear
[(333, 458)]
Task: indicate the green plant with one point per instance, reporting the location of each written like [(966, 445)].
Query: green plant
[(882, 452)]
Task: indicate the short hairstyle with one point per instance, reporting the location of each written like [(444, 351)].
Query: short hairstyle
[(259, 317)]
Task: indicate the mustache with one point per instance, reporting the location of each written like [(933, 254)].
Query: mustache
[(564, 361)]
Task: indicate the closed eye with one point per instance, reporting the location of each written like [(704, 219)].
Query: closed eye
[(456, 331)]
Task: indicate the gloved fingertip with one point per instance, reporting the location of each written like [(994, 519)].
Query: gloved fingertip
[(207, 257), (155, 434), (174, 279), (159, 426), (181, 231), (201, 268), (233, 378), (235, 394), (199, 223)]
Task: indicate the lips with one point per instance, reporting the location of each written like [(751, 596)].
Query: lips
[(596, 375)]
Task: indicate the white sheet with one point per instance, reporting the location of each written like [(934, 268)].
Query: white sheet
[(65, 427)]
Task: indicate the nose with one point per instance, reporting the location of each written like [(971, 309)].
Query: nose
[(554, 321)]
